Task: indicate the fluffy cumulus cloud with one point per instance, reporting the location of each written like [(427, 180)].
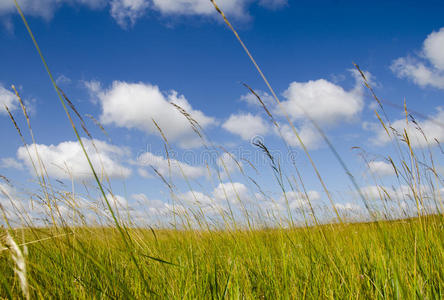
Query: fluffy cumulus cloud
[(136, 105), (433, 46), (298, 200), (232, 192), (166, 167), (381, 168), (127, 12), (66, 160), (427, 69), (246, 126), (323, 101), (421, 134), (7, 98)]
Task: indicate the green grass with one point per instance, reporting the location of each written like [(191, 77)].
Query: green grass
[(237, 256), (325, 262)]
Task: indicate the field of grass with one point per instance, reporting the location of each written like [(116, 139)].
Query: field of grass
[(390, 251), (397, 259)]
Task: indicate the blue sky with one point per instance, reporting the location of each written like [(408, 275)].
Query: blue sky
[(125, 61)]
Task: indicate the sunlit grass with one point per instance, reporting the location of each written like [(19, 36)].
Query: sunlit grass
[(387, 251), (349, 261)]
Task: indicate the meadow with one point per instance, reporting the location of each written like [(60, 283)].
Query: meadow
[(397, 259), (392, 250)]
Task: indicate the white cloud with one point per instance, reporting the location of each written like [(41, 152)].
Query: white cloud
[(419, 72), (216, 202), (45, 8), (7, 98), (431, 127), (235, 8), (163, 166), (94, 87), (184, 202), (7, 191), (400, 201), (206, 204), (143, 200), (10, 163), (372, 192), (9, 199), (233, 192), (349, 209), (126, 12), (135, 105), (62, 79), (246, 126), (266, 98), (433, 48), (195, 197), (381, 168), (156, 207), (67, 159), (117, 201), (226, 161), (308, 134), (323, 101), (298, 200), (378, 192)]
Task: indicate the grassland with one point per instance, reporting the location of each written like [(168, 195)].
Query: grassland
[(398, 259), (382, 257)]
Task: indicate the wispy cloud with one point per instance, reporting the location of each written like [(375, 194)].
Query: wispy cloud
[(127, 12)]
